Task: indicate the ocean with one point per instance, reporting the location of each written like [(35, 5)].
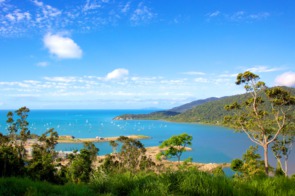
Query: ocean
[(211, 144)]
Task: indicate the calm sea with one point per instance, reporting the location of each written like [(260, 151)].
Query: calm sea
[(211, 144)]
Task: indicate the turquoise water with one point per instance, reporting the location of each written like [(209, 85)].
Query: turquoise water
[(210, 143)]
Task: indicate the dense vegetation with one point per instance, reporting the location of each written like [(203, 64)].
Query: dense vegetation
[(182, 182), (210, 112)]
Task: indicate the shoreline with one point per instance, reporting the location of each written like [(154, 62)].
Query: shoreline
[(70, 139), (152, 151)]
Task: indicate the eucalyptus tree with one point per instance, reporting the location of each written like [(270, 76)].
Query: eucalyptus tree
[(41, 166), (263, 116), (176, 145), (132, 157), (80, 167), (12, 151), (20, 125)]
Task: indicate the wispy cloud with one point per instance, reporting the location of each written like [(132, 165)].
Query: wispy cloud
[(238, 16), (263, 69), (61, 46), (193, 73), (286, 79), (117, 86), (259, 16), (17, 19), (42, 64), (228, 75), (90, 5), (61, 79), (142, 14), (213, 14), (126, 7)]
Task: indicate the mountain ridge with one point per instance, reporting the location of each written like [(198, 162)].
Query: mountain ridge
[(208, 111)]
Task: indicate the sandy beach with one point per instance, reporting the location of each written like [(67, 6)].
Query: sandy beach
[(70, 139)]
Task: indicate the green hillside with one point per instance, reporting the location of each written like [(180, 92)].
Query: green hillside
[(210, 112)]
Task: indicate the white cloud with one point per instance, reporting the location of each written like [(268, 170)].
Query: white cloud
[(17, 15), (62, 47), (60, 79), (42, 64), (286, 79), (37, 3), (228, 75), (263, 69), (201, 80), (117, 74), (193, 73)]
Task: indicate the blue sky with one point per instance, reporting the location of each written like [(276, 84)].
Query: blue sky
[(108, 54)]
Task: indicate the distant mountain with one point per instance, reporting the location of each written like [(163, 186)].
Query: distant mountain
[(188, 106), (163, 114), (209, 110)]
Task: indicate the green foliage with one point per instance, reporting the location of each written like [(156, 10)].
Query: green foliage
[(250, 166), (80, 167), (12, 151), (218, 172), (25, 186), (9, 161), (19, 125), (132, 157), (176, 145), (189, 182), (236, 165), (41, 166)]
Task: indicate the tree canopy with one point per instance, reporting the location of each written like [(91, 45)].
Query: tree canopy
[(176, 145)]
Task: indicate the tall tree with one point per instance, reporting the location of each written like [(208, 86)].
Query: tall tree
[(41, 166), (265, 115), (20, 125), (80, 166), (132, 157), (176, 145)]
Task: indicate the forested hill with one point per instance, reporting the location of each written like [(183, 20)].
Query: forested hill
[(211, 112), (166, 113), (188, 106)]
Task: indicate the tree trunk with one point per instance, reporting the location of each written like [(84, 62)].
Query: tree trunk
[(265, 147), (286, 167)]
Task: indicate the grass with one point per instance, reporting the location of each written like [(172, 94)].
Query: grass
[(25, 186), (190, 182)]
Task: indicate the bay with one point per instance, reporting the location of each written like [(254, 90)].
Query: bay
[(211, 144)]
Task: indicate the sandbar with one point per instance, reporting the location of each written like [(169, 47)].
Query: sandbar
[(70, 139)]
